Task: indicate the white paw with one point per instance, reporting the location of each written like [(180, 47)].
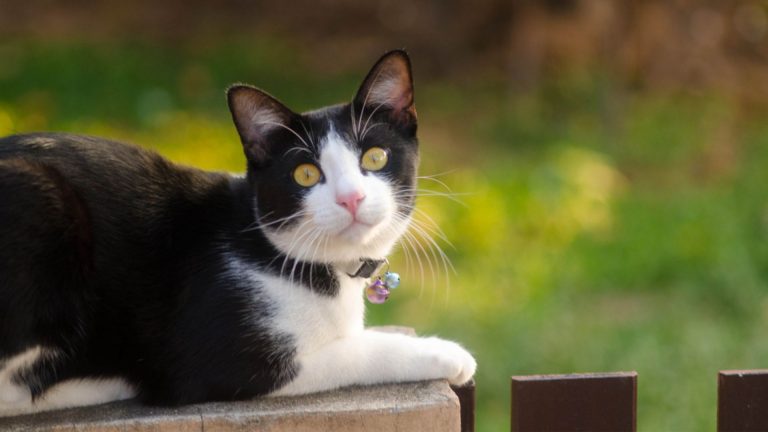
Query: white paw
[(449, 360)]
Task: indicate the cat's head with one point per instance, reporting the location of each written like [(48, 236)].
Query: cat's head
[(336, 184)]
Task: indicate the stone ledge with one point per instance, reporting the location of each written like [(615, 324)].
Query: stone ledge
[(423, 406)]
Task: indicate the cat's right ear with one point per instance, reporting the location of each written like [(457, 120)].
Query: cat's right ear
[(389, 84), (256, 115)]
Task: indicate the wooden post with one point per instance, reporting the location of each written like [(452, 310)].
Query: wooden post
[(466, 394), (580, 402), (742, 400)]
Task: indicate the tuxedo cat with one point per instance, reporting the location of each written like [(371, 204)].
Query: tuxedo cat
[(125, 275)]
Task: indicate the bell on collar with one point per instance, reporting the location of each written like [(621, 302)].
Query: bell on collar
[(391, 280), (378, 291)]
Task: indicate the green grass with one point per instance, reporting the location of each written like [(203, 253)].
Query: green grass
[(599, 231)]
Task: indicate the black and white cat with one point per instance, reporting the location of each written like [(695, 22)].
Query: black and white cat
[(123, 274)]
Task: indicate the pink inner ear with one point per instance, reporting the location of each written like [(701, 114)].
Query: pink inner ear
[(393, 88), (404, 101), (255, 112)]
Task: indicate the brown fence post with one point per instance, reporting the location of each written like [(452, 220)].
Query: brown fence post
[(466, 394), (742, 400), (579, 402)]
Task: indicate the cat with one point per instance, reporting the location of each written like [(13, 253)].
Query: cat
[(125, 275)]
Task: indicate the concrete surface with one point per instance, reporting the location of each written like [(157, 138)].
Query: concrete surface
[(423, 407)]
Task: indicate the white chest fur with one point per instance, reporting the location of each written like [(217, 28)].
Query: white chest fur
[(312, 319), (334, 350)]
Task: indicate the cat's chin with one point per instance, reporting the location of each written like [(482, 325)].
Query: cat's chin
[(358, 240), (358, 233)]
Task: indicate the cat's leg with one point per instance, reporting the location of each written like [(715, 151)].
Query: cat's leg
[(372, 357), (33, 369), (17, 399), (85, 391)]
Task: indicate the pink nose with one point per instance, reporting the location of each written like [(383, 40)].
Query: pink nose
[(350, 201)]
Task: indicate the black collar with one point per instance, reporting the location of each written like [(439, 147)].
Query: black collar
[(366, 268)]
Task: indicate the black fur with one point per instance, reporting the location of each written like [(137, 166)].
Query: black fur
[(109, 255), (112, 256)]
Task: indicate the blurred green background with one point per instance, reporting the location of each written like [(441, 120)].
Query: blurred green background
[(610, 160)]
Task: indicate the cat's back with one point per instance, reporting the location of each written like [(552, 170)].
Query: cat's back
[(106, 172), (39, 143), (82, 157), (130, 201)]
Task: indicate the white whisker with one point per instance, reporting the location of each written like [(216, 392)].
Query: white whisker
[(408, 238), (312, 236), (312, 257), (365, 126), (409, 192), (434, 247), (282, 221), (354, 124), (434, 178), (365, 132), (431, 225), (294, 242), (298, 150), (286, 128), (367, 95), (309, 136)]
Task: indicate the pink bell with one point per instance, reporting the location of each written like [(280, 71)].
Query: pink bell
[(377, 292)]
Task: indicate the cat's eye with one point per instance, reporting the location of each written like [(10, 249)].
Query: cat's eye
[(374, 159), (306, 175)]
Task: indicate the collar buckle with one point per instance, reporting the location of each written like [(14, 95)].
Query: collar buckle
[(368, 267)]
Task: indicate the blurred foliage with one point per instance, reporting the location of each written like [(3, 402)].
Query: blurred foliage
[(597, 228)]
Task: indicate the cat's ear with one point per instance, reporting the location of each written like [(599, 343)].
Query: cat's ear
[(389, 84), (256, 115)]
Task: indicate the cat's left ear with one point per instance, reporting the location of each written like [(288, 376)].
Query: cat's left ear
[(389, 85), (256, 115)]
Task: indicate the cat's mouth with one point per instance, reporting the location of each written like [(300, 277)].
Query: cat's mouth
[(357, 231)]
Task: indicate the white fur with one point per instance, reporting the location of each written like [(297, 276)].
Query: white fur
[(334, 349), (371, 357), (79, 392), (16, 399)]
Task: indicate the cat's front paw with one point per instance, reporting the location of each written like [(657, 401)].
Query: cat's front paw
[(450, 360)]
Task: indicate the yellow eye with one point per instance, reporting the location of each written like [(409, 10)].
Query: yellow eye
[(306, 175), (374, 159)]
